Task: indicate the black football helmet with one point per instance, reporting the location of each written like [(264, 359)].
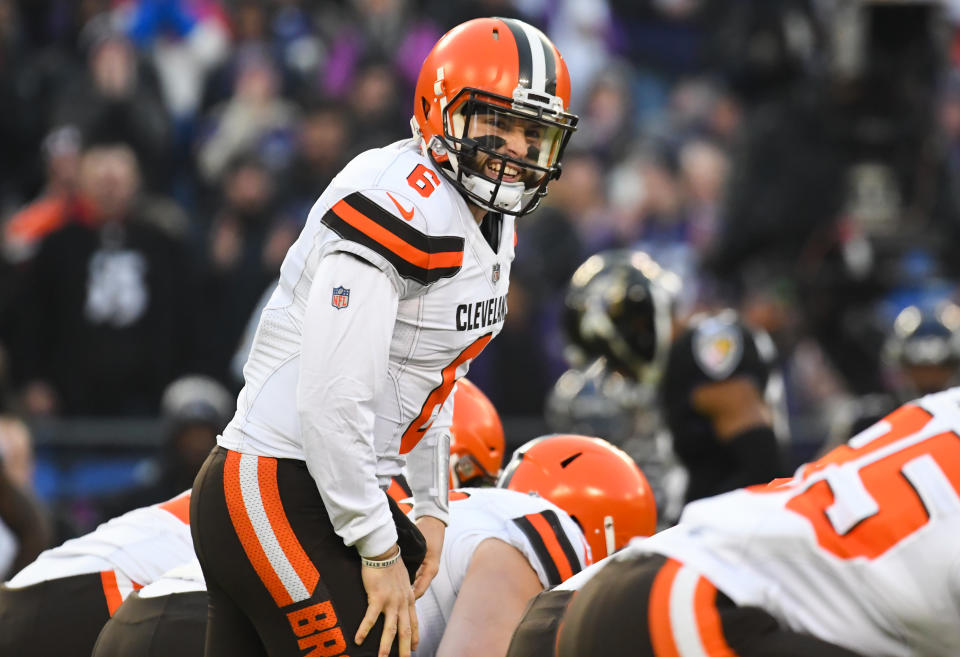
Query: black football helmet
[(619, 307)]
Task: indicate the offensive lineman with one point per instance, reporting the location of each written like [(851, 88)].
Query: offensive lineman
[(78, 585), (857, 553), (396, 283)]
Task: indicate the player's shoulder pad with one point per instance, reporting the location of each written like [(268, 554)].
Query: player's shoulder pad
[(374, 204)]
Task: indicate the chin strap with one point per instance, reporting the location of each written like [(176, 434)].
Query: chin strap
[(509, 195)]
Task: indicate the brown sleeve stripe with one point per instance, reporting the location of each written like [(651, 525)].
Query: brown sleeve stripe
[(551, 545), (420, 257)]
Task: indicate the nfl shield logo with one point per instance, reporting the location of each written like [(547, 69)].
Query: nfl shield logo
[(495, 274), (341, 297)]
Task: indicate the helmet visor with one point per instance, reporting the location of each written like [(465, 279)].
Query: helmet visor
[(507, 144)]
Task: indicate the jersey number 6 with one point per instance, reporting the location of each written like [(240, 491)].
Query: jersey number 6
[(420, 179), (431, 407)]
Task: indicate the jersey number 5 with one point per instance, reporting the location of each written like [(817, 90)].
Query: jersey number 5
[(865, 497), (431, 407)]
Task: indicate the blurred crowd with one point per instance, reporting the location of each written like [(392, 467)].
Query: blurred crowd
[(794, 159)]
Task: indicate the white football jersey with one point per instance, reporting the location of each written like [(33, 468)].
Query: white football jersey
[(550, 540), (185, 578), (860, 548), (139, 545), (452, 299), (390, 208)]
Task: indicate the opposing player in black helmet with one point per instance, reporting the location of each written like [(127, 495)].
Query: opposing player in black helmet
[(619, 306), (714, 375)]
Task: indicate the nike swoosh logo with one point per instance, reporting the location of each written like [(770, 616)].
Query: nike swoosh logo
[(406, 214)]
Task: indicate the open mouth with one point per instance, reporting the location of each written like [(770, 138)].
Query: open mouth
[(510, 174)]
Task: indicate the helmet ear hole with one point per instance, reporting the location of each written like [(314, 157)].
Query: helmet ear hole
[(426, 107)]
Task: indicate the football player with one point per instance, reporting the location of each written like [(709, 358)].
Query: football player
[(921, 356), (559, 500), (397, 281), (476, 439), (715, 375), (58, 603), (857, 553), (502, 547), (165, 618)]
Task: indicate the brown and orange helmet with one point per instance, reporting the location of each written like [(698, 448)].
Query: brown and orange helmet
[(597, 484), (476, 438), (499, 72)]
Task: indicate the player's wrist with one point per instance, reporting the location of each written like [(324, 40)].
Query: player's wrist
[(384, 560)]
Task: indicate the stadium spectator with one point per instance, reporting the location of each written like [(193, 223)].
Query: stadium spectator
[(117, 100), (256, 118), (246, 244), (193, 411), (324, 143), (57, 203), (106, 309)]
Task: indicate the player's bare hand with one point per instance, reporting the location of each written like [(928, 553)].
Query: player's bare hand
[(389, 593), (433, 530)]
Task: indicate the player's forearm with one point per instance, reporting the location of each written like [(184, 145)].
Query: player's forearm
[(428, 470)]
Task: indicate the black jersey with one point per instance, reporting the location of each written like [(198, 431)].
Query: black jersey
[(714, 348)]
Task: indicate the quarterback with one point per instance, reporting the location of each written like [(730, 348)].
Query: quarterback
[(396, 283)]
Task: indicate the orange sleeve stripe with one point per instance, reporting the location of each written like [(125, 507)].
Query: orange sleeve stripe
[(708, 620), (661, 632), (296, 555), (564, 567), (179, 507), (403, 249), (398, 492), (246, 533), (111, 591)]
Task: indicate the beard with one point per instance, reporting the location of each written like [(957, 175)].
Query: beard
[(478, 161)]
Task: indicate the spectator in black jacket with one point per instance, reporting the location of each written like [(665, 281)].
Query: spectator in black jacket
[(105, 310)]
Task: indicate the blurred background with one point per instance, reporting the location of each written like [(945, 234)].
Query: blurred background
[(795, 160)]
